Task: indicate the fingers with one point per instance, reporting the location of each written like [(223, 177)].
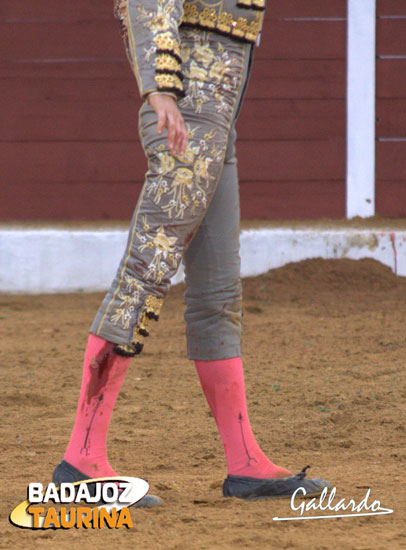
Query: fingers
[(172, 134), (183, 141), (170, 117), (177, 134), (161, 121)]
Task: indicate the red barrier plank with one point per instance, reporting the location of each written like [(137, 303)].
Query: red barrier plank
[(390, 7), (73, 8), (298, 200), (76, 69), (300, 8), (49, 8), (65, 109), (72, 161), (390, 37), (391, 118), (68, 201), (391, 162), (391, 78), (303, 40), (101, 201), (311, 79), (291, 160), (100, 38), (49, 162), (297, 119), (48, 40), (391, 198)]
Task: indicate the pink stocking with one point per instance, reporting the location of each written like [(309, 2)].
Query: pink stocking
[(223, 385), (103, 374)]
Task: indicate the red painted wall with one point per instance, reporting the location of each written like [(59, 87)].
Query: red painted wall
[(69, 147), (391, 109)]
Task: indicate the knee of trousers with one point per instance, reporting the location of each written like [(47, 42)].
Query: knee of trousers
[(213, 323)]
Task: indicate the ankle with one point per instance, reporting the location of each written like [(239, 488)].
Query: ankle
[(261, 469)]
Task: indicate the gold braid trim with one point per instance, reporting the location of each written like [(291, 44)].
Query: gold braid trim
[(165, 41), (259, 4), (152, 308), (251, 4), (166, 80), (153, 305), (166, 62), (208, 18)]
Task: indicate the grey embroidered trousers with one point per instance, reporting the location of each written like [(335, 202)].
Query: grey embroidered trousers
[(188, 209)]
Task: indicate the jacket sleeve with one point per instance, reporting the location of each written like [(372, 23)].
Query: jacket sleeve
[(151, 38)]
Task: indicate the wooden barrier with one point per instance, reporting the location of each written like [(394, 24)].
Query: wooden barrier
[(69, 144)]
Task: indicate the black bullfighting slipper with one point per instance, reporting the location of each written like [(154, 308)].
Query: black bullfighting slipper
[(252, 488), (66, 473)]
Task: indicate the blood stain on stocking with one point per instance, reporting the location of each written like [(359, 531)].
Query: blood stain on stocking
[(99, 372), (250, 458), (85, 448)]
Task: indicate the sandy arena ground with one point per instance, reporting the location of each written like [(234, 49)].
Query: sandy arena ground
[(324, 353)]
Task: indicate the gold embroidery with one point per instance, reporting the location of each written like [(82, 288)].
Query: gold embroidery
[(253, 31), (253, 4), (152, 308), (165, 80), (165, 254), (207, 18), (165, 62), (153, 305), (164, 48), (224, 22), (241, 28), (123, 313), (260, 4), (127, 350), (203, 54), (185, 190), (141, 331), (165, 41), (190, 13)]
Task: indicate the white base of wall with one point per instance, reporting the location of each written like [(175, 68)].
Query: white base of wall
[(38, 261)]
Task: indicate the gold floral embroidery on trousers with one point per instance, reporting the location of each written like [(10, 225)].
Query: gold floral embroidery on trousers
[(178, 184), (130, 298), (209, 73), (165, 255)]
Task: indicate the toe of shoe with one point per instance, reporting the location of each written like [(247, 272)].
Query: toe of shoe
[(313, 486), (255, 489)]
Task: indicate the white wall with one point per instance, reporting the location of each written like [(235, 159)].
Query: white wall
[(51, 260)]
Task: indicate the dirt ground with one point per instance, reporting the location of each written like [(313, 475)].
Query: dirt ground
[(324, 355)]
